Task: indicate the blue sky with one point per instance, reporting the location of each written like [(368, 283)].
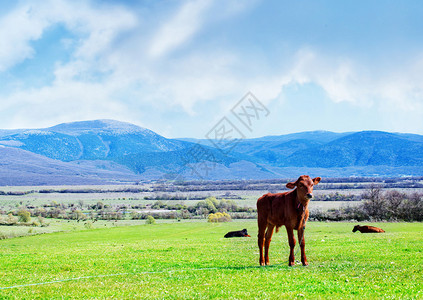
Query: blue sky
[(178, 67)]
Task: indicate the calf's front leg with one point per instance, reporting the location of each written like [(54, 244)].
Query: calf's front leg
[(291, 241), (301, 238)]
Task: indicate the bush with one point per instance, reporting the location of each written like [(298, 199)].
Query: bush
[(150, 220), (41, 221), (11, 219), (158, 205), (374, 203), (219, 217), (24, 216), (89, 225), (77, 215)]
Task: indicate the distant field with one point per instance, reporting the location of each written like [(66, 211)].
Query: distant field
[(192, 260), (314, 205), (117, 195), (110, 197), (60, 225)]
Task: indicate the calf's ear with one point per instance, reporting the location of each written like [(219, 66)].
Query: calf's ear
[(316, 180), (291, 185)]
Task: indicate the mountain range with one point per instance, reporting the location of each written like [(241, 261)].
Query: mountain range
[(108, 151)]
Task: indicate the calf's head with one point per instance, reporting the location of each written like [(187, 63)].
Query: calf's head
[(304, 185), (356, 227), (245, 233)]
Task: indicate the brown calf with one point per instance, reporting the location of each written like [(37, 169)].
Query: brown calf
[(289, 209), (367, 229)]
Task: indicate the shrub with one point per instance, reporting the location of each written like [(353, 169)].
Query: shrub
[(135, 215), (24, 216), (78, 215), (150, 220), (89, 225), (41, 221), (374, 202), (11, 219), (99, 205), (158, 205), (219, 217)]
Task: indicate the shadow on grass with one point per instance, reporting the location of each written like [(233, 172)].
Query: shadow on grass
[(282, 266)]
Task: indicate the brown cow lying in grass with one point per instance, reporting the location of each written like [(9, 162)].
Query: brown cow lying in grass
[(240, 233), (289, 209), (367, 229)]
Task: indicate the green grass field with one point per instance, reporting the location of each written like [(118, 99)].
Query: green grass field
[(192, 260), (61, 225)]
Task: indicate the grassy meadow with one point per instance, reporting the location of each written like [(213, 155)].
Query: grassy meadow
[(60, 225), (192, 260)]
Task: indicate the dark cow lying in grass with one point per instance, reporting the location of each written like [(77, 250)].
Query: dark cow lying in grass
[(240, 233), (367, 229)]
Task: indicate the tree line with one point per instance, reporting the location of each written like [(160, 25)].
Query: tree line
[(378, 205), (375, 204)]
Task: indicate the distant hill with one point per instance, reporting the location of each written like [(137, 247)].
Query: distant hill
[(21, 167), (368, 148), (324, 149), (90, 140), (141, 151), (108, 150)]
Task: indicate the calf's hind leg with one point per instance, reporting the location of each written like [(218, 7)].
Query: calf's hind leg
[(267, 240), (261, 233)]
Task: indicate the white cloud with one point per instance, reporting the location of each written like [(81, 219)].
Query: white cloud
[(402, 88), (65, 101), (341, 78), (348, 80), (180, 28), (17, 29), (120, 63), (76, 91), (192, 78), (97, 27)]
